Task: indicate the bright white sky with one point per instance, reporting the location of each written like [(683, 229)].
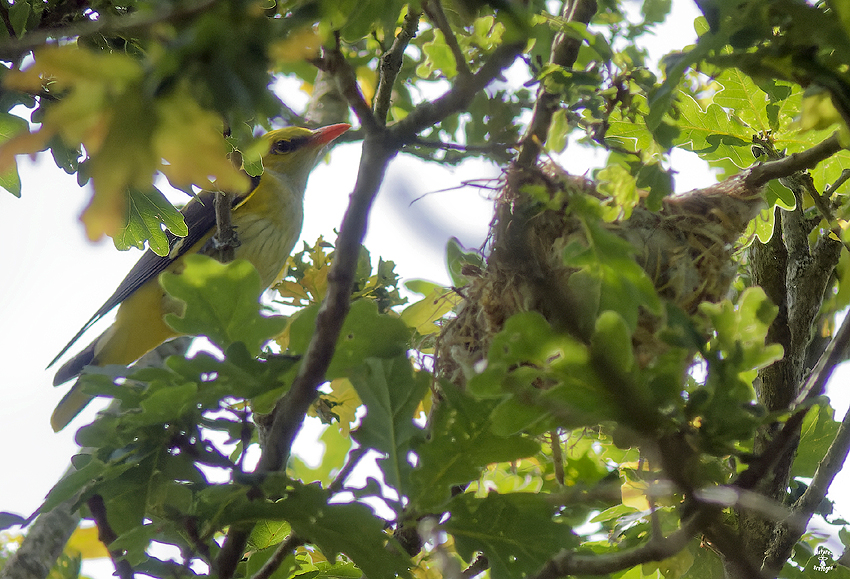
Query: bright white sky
[(55, 279)]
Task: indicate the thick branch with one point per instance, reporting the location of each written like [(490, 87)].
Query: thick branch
[(379, 147), (43, 544), (736, 561), (788, 535), (794, 276), (290, 410), (46, 538)]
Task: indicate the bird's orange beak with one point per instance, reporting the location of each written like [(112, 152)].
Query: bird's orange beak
[(325, 135)]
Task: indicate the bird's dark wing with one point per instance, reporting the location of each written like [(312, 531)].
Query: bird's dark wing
[(199, 215)]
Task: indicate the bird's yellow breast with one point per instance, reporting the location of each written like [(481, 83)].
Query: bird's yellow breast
[(268, 224)]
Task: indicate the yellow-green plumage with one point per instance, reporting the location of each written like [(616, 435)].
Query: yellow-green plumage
[(268, 223)]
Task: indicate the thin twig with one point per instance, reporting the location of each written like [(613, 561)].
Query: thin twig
[(564, 53), (488, 148), (459, 97), (557, 456), (478, 566), (107, 25), (106, 535), (391, 63), (278, 557), (832, 188), (7, 22), (225, 239), (434, 10), (834, 354), (761, 465), (353, 459), (657, 549), (761, 174), (335, 63)]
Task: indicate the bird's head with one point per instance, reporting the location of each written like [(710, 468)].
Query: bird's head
[(294, 151)]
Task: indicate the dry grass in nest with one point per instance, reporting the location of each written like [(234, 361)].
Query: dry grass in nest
[(685, 248)]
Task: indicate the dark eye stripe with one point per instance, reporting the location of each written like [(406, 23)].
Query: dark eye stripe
[(288, 145)]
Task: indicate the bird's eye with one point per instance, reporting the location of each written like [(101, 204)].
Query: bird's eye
[(283, 146)]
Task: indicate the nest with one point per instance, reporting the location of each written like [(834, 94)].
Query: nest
[(685, 248)]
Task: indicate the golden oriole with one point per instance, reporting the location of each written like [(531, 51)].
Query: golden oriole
[(268, 222)]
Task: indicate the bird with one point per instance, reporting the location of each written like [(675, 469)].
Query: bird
[(267, 220)]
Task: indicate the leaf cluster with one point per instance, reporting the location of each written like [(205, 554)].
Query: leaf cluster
[(559, 434)]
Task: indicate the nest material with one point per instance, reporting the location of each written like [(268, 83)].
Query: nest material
[(685, 248)]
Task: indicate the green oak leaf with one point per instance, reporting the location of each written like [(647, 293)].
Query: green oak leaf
[(222, 303)]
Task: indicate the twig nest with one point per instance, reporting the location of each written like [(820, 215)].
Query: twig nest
[(541, 215)]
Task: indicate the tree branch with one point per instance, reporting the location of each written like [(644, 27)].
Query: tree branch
[(735, 559), (106, 536), (434, 10), (225, 240), (484, 149), (794, 276), (379, 147), (290, 410), (7, 22), (657, 549), (564, 53), (43, 543), (478, 566), (761, 174), (787, 535), (834, 354), (274, 562), (391, 63), (334, 63), (459, 97), (13, 50)]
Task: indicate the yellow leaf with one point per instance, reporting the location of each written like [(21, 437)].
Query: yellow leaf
[(634, 495), (346, 402), (84, 541), (298, 46), (25, 143), (282, 339), (290, 289), (190, 140), (69, 65), (125, 160), (366, 82), (315, 280), (93, 81), (421, 315)]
